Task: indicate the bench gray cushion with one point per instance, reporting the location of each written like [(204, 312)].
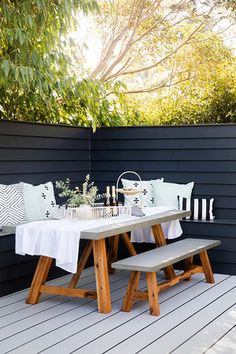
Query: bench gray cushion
[(154, 260), (7, 230)]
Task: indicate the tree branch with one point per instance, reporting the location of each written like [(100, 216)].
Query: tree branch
[(166, 84), (185, 42), (128, 44)]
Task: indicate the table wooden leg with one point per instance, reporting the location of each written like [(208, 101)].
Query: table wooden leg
[(81, 264), (39, 279), (128, 244), (160, 241), (131, 288), (101, 273), (113, 244), (206, 265), (153, 294)]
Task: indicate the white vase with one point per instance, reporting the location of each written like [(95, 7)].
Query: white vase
[(84, 211)]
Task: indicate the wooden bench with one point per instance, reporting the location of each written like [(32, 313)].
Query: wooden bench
[(152, 261)]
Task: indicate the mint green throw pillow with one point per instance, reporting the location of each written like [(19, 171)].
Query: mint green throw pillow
[(38, 200), (165, 194)]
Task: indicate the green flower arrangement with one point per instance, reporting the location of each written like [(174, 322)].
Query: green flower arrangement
[(87, 195)]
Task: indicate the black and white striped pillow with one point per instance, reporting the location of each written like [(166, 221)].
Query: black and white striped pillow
[(201, 208)]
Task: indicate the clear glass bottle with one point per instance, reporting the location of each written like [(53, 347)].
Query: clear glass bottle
[(106, 204), (114, 202)]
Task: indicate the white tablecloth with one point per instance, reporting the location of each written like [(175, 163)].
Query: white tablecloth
[(60, 239), (171, 229)]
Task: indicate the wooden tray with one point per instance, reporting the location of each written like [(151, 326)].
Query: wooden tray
[(129, 191)]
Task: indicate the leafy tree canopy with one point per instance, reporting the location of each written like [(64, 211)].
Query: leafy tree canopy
[(31, 51), (159, 62), (169, 54), (37, 81)]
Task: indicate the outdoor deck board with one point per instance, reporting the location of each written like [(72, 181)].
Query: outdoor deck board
[(16, 304), (226, 345), (175, 308), (213, 332), (195, 318)]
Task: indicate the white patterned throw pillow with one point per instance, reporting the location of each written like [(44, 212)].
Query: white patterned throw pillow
[(146, 198), (39, 201), (12, 211), (166, 193)]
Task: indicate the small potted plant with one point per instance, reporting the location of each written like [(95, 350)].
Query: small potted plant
[(77, 197)]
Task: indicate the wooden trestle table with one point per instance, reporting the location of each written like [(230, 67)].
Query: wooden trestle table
[(103, 257)]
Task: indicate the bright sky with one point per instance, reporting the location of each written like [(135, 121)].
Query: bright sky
[(91, 38), (86, 34)]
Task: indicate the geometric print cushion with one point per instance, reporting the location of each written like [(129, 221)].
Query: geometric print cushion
[(39, 201), (12, 209), (48, 199), (144, 199), (201, 208)]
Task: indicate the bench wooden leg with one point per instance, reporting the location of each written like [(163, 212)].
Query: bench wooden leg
[(39, 279), (160, 241), (206, 265), (153, 294), (101, 273), (188, 265), (131, 288), (81, 264)]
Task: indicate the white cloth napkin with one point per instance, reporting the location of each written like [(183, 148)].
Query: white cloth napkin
[(60, 239)]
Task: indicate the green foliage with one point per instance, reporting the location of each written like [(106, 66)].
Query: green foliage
[(104, 103), (35, 70), (230, 4), (208, 96), (39, 83), (200, 102), (77, 196)]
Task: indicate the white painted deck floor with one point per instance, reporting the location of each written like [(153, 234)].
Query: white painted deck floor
[(196, 318)]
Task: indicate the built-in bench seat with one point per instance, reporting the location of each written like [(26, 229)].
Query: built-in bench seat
[(223, 257), (152, 261), (215, 221), (7, 230)]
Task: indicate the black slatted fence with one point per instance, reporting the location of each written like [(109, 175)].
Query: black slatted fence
[(37, 153)]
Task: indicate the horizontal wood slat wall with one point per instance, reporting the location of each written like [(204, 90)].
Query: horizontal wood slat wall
[(180, 154), (37, 153)]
